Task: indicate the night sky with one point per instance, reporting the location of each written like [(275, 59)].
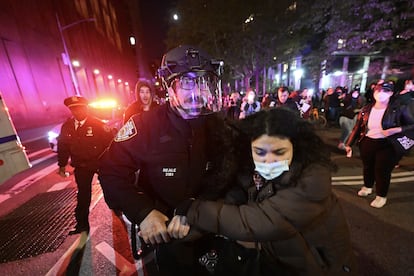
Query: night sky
[(155, 17)]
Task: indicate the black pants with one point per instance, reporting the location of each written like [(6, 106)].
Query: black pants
[(83, 178), (379, 159)]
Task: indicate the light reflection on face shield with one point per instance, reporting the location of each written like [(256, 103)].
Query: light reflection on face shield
[(196, 95)]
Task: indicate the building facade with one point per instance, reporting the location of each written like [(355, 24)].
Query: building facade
[(53, 49)]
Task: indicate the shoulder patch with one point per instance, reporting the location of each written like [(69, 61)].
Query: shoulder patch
[(106, 128), (127, 131)]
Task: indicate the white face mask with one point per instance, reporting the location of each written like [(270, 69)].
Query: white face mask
[(270, 171), (382, 96)]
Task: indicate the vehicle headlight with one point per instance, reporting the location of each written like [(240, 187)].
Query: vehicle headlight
[(52, 135)]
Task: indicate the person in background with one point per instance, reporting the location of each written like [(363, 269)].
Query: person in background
[(295, 96), (175, 148), (233, 109), (376, 124), (332, 103), (369, 93), (347, 119), (250, 106), (290, 213), (407, 94), (283, 100), (317, 98), (83, 139), (144, 94), (268, 101), (305, 103)]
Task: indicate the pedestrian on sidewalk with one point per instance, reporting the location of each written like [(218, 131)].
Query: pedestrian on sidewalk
[(83, 139), (375, 130)]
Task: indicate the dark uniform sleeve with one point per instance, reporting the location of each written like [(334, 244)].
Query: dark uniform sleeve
[(63, 144), (118, 166)]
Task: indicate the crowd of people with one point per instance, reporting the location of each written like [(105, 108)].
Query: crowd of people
[(239, 189)]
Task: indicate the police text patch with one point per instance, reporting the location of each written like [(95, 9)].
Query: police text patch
[(126, 132)]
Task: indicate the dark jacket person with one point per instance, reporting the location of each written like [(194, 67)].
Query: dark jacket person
[(83, 138), (291, 216)]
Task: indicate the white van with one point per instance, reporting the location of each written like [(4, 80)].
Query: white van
[(13, 158)]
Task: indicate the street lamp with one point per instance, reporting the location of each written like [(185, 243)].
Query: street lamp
[(69, 62)]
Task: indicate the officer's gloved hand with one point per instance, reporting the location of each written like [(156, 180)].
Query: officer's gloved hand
[(62, 172), (153, 229)]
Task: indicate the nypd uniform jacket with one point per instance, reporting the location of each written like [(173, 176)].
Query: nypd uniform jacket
[(84, 145), (173, 157)]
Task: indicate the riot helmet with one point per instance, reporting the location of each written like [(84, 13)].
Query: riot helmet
[(192, 79)]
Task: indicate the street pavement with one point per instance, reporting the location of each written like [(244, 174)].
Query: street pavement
[(382, 238)]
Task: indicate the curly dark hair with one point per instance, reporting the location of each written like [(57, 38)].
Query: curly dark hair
[(230, 147), (308, 147)]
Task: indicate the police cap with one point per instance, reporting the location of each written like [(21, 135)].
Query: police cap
[(75, 101)]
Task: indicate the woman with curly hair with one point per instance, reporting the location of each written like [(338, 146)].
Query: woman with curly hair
[(291, 221)]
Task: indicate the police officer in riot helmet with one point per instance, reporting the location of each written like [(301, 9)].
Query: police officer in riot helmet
[(191, 82), (175, 148)]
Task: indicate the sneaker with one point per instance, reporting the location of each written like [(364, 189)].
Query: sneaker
[(378, 202), (365, 191)]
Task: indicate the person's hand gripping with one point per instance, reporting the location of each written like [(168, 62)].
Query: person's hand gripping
[(153, 229)]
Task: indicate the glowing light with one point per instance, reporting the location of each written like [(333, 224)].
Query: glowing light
[(132, 40), (298, 73), (103, 104), (110, 77), (126, 83), (119, 80), (76, 63), (249, 19), (175, 16), (96, 71)]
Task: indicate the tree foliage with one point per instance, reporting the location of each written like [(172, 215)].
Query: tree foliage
[(251, 35)]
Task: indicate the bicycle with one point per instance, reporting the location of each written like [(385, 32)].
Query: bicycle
[(316, 117)]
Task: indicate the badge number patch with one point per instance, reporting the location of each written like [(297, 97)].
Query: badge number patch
[(126, 132)]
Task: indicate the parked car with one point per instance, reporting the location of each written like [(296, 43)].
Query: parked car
[(107, 110)]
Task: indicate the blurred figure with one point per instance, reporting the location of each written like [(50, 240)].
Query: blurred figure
[(377, 123), (407, 94), (290, 216), (83, 139), (369, 93), (233, 109), (332, 103), (268, 101), (283, 100), (347, 119), (144, 95), (305, 103), (250, 106), (317, 98)]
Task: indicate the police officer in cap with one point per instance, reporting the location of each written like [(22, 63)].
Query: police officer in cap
[(175, 148), (83, 139)]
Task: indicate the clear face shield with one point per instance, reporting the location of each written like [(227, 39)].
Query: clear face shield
[(195, 93)]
